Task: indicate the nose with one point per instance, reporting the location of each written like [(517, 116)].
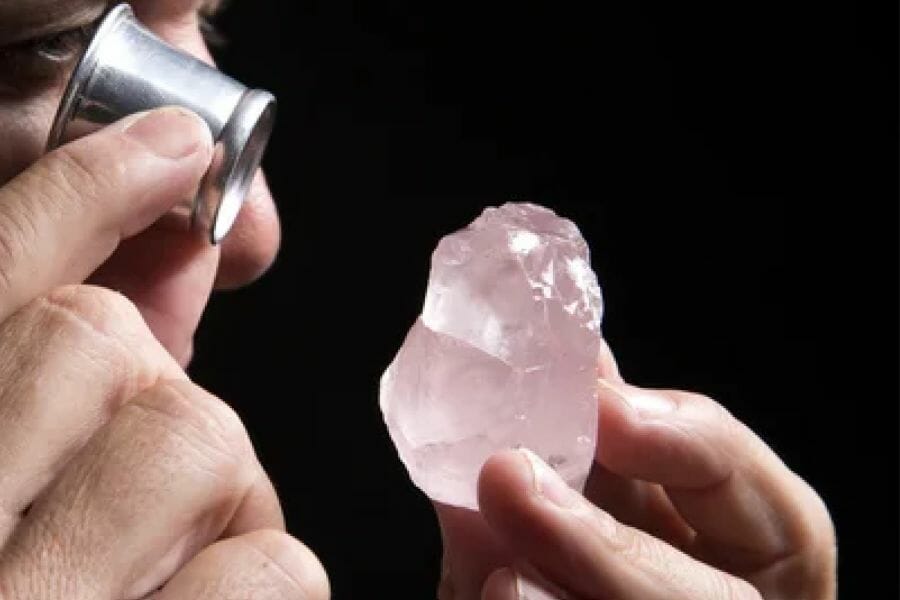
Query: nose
[(252, 245)]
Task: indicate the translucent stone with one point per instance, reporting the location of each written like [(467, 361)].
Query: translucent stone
[(504, 354)]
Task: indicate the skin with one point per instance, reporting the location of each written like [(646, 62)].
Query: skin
[(172, 295), (122, 479), (683, 502)]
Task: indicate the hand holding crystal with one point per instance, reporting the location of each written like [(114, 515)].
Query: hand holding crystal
[(683, 502), (493, 404)]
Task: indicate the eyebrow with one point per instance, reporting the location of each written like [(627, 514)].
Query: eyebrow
[(22, 20)]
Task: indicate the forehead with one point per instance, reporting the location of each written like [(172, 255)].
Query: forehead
[(22, 19)]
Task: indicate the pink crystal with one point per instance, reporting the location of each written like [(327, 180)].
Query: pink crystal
[(504, 354)]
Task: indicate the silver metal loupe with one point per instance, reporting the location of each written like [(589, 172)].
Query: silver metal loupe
[(127, 69)]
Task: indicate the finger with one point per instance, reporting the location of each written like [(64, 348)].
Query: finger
[(66, 214), (501, 585), (748, 509), (168, 274), (633, 502), (607, 367), (251, 247), (471, 552), (67, 362), (259, 509), (640, 504), (160, 481), (262, 565), (584, 550), (507, 584)]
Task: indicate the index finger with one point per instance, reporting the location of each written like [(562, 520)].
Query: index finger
[(749, 510), (66, 214)]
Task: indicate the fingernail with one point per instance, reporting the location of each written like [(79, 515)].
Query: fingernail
[(547, 482), (646, 403), (170, 132), (528, 590)]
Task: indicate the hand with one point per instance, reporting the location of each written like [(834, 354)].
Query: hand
[(120, 478), (168, 274), (683, 502), (128, 472)]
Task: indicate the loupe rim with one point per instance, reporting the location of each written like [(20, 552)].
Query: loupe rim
[(244, 142)]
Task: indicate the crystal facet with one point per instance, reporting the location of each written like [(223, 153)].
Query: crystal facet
[(504, 354)]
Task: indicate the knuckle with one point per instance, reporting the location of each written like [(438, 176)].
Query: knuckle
[(92, 335), (702, 406), (17, 229), (96, 323), (728, 440), (69, 173), (82, 317), (635, 548), (202, 425), (291, 563), (100, 310), (622, 540)]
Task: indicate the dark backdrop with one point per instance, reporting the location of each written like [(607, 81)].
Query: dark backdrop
[(734, 170)]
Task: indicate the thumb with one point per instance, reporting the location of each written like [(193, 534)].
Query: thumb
[(607, 367), (471, 552), (67, 213)]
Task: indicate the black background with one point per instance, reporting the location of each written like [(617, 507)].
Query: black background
[(732, 166)]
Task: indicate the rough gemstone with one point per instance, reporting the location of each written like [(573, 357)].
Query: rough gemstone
[(504, 354)]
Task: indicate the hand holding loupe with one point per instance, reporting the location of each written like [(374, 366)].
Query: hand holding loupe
[(127, 69)]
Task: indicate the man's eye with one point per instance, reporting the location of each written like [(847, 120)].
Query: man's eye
[(25, 66), (62, 47)]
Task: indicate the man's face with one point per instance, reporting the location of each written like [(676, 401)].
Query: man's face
[(164, 272), (39, 44)]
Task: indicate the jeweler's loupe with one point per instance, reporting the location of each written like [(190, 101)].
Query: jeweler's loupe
[(127, 69)]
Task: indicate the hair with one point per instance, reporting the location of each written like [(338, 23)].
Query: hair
[(208, 10), (210, 7)]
